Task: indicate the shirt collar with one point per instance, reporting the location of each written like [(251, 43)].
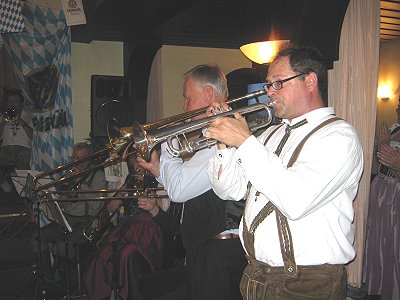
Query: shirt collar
[(313, 116)]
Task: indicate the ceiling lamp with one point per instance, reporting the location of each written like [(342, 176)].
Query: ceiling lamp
[(263, 52)]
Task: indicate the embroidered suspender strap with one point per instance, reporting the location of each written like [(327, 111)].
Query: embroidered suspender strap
[(296, 152), (286, 243), (285, 236), (248, 236), (272, 133)]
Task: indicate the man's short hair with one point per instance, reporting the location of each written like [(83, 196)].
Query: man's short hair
[(210, 75), (307, 60), (84, 146)]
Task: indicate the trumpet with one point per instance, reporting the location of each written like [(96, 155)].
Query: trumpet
[(10, 115), (147, 136)]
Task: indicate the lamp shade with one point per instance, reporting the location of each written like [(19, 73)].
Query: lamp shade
[(263, 52)]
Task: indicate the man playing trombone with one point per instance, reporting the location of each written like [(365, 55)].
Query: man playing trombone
[(214, 255)]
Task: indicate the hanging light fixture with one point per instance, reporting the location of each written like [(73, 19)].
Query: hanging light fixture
[(263, 52)]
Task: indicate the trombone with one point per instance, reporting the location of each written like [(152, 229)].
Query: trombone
[(147, 136)]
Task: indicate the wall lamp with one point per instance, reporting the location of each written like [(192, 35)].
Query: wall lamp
[(384, 92), (263, 52)]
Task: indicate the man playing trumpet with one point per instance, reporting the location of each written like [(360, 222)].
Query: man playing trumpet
[(16, 135), (300, 179)]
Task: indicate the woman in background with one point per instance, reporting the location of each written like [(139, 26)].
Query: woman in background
[(131, 248), (382, 250)]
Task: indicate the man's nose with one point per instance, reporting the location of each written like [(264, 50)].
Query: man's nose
[(270, 91)]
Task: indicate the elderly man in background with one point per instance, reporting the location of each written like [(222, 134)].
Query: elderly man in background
[(214, 255)]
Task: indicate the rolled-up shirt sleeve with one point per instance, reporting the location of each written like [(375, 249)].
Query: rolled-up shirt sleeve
[(228, 178), (184, 180)]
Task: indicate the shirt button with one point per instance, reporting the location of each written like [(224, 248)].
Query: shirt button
[(239, 161), (220, 155)]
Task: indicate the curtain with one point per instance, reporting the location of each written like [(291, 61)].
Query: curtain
[(353, 84), (154, 92)]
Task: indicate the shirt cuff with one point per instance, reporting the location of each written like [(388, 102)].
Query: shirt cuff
[(245, 148)]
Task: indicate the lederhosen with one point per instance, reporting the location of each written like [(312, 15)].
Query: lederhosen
[(262, 281)]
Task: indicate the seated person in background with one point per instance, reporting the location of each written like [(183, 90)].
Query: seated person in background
[(78, 213), (117, 172), (173, 272), (16, 135), (135, 244)]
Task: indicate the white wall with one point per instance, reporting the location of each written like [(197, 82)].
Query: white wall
[(106, 58), (96, 58)]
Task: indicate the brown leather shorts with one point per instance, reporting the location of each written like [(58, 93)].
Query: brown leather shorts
[(262, 281)]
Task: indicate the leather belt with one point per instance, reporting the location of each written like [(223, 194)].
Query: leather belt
[(227, 236), (386, 171)]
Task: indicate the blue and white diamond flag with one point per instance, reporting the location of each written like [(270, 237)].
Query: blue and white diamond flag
[(11, 19), (40, 56)]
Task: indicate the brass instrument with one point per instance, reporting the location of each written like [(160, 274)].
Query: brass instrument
[(139, 189), (10, 115), (98, 161), (147, 136)]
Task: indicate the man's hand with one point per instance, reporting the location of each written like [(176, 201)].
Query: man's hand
[(217, 107), (153, 166), (149, 204), (229, 131)]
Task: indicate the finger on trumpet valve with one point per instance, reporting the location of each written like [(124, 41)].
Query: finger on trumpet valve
[(217, 110)]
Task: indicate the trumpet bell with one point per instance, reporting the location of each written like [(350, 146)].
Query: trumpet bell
[(10, 115)]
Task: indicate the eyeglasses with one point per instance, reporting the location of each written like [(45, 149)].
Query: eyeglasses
[(277, 85)]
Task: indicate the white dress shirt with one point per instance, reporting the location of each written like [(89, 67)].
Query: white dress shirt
[(184, 180), (315, 194), (15, 134)]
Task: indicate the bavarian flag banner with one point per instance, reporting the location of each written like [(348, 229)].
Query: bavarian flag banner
[(11, 19), (40, 56)]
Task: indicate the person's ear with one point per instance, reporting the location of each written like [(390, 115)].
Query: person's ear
[(209, 93), (312, 80)]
